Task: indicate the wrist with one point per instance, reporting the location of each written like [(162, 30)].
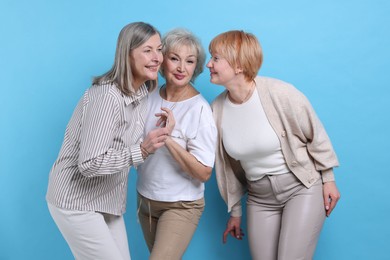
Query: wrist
[(145, 153)]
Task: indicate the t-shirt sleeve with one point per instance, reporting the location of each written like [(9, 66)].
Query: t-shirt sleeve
[(203, 143)]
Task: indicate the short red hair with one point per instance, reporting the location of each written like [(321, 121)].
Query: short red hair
[(241, 50)]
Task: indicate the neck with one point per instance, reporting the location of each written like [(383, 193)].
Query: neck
[(240, 93), (174, 93), (137, 84)]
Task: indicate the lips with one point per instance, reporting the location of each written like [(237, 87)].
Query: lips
[(179, 76), (153, 68)]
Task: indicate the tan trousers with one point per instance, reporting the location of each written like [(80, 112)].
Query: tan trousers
[(284, 218), (168, 227), (92, 235)]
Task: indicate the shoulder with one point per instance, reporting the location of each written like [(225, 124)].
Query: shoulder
[(197, 104), (275, 85), (154, 94), (105, 91), (199, 99), (279, 89), (218, 100)]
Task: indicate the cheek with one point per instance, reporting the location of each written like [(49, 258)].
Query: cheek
[(167, 66), (191, 69)]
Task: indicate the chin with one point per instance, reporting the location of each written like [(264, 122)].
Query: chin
[(214, 81), (152, 76)]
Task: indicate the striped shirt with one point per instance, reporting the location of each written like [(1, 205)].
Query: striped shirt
[(101, 143)]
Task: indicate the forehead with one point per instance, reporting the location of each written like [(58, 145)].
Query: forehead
[(153, 41), (182, 49)]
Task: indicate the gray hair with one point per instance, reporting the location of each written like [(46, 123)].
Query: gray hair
[(179, 37), (131, 36)]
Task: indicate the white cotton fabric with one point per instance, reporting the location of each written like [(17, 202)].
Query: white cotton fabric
[(160, 176), (257, 147)]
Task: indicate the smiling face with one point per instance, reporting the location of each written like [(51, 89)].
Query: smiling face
[(146, 60), (179, 65), (221, 73)]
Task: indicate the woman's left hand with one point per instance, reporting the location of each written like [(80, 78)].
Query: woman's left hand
[(331, 196)]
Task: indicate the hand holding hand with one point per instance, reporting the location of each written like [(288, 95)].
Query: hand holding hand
[(154, 140)]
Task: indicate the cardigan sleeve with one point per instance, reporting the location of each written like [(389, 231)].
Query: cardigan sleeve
[(230, 187), (319, 145), (305, 143)]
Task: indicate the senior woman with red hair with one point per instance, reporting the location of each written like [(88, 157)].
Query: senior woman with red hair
[(272, 146)]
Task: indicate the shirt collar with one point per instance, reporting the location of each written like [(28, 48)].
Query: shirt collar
[(137, 96)]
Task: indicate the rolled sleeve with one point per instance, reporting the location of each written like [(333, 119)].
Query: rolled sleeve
[(136, 155)]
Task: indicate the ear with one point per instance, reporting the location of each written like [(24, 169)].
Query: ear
[(238, 70)]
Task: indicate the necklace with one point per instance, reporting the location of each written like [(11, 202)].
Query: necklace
[(177, 100), (252, 87)]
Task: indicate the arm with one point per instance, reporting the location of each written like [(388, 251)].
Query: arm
[(188, 162), (320, 149), (99, 127), (99, 122), (197, 158)]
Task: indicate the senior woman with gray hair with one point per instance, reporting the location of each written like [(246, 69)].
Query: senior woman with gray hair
[(88, 182), (171, 181)]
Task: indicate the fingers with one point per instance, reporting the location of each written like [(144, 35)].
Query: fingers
[(155, 139), (166, 119), (333, 199), (233, 228), (160, 121), (225, 234), (331, 196), (237, 233), (327, 203)]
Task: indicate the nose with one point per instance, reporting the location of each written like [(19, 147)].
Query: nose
[(157, 56), (180, 67), (209, 65)]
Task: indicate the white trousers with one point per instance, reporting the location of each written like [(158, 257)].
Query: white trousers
[(92, 235)]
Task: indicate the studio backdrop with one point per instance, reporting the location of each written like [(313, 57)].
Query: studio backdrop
[(336, 52)]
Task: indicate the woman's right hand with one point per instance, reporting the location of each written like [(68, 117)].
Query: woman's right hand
[(234, 228)]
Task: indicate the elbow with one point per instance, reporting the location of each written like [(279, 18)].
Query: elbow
[(205, 176), (86, 172)]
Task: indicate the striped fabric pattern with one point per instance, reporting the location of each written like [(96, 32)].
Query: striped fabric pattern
[(101, 143)]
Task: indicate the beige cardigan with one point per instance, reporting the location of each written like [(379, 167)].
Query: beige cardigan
[(305, 144)]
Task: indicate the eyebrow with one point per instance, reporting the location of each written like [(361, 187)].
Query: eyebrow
[(150, 46), (174, 53)]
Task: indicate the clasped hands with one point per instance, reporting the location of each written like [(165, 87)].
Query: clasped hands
[(157, 137)]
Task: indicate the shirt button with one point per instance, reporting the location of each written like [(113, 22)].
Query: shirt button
[(284, 134), (294, 163)]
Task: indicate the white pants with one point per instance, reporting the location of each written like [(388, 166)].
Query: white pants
[(92, 235)]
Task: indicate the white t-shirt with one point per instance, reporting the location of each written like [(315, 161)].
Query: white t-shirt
[(249, 137), (160, 176)]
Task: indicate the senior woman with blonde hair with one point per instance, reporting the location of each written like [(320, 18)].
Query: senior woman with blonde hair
[(272, 146), (171, 181)]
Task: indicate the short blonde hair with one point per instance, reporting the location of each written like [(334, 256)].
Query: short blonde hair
[(241, 50)]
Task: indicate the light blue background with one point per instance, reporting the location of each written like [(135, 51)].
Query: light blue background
[(336, 52)]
